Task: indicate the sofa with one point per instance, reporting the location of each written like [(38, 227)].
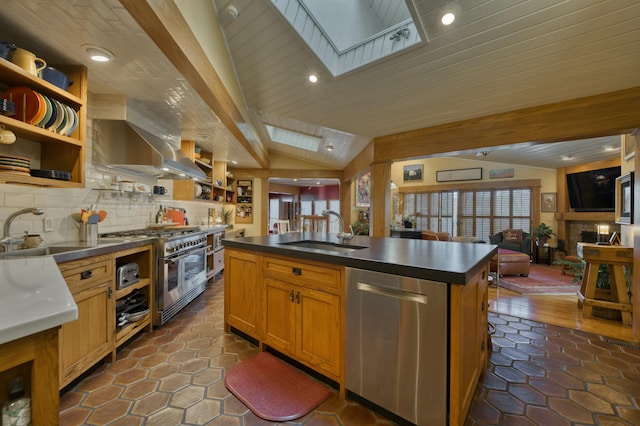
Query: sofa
[(512, 239), (436, 236)]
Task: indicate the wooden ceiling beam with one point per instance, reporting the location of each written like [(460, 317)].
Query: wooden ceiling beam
[(608, 114)]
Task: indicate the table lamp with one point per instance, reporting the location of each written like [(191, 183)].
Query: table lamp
[(603, 230)]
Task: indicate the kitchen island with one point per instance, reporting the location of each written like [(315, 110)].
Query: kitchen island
[(288, 292)]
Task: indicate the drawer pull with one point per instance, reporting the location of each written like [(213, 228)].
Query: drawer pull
[(482, 307), (291, 295), (85, 275), (296, 271), (298, 297)]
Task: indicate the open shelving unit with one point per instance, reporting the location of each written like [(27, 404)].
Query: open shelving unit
[(57, 152), (216, 186), (244, 201)]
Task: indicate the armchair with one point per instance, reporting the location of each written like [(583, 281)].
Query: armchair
[(513, 239)]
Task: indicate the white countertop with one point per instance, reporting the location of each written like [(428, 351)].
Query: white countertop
[(33, 297)]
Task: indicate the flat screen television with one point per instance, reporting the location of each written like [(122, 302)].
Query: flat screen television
[(593, 190)]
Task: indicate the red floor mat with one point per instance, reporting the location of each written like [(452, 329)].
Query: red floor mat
[(273, 389)]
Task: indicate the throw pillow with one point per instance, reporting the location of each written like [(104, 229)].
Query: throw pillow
[(514, 235)]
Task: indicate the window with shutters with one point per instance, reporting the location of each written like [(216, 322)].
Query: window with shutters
[(478, 212)]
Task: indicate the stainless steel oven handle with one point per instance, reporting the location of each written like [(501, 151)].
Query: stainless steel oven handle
[(175, 259), (398, 294)]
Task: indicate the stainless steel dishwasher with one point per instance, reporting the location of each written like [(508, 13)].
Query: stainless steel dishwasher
[(396, 344)]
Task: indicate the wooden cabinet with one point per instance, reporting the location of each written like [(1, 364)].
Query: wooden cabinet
[(303, 311), (35, 359), (144, 257), (243, 294), (51, 151), (468, 350), (244, 201), (90, 338), (92, 282)]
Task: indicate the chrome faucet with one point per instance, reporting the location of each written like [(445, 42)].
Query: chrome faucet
[(6, 241), (341, 234)]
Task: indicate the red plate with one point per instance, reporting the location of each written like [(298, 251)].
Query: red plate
[(27, 102)]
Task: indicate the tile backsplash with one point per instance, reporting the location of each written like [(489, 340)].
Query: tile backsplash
[(124, 210)]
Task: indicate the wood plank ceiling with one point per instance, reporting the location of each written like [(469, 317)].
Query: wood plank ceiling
[(499, 55)]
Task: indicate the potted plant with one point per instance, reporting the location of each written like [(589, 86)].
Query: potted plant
[(409, 221), (542, 233), (227, 216), (360, 228)]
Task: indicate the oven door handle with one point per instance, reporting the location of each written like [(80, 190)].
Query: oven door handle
[(175, 259)]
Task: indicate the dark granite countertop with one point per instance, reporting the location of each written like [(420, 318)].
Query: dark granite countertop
[(74, 250), (444, 261)]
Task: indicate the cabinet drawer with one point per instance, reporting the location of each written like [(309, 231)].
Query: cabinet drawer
[(84, 273), (303, 273), (218, 261)]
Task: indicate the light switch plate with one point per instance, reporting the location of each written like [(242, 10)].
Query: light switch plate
[(48, 224)]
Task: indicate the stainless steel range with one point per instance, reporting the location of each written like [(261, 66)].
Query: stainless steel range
[(180, 265)]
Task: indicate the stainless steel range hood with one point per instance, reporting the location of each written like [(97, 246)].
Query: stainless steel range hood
[(122, 145)]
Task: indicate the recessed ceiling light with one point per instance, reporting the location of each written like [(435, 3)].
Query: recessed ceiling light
[(317, 183), (98, 54), (295, 180), (568, 158), (330, 147), (448, 18), (234, 162), (231, 12), (313, 78), (610, 148)]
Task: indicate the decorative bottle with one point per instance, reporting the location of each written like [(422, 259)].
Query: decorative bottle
[(17, 410)]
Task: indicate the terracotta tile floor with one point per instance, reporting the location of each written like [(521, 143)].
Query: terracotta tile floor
[(537, 374)]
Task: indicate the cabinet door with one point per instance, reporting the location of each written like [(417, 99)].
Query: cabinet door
[(90, 338), (242, 308), (318, 338), (280, 316)]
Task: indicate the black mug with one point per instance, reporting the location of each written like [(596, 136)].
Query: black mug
[(159, 190)]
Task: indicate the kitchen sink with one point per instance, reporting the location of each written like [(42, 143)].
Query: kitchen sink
[(40, 251), (324, 245)]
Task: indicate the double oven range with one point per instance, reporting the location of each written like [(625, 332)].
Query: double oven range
[(180, 265)]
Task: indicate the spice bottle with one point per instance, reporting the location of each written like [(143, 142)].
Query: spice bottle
[(17, 410)]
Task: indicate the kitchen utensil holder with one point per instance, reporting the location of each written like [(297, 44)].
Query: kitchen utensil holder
[(89, 233)]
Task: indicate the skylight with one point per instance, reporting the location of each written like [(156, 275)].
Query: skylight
[(294, 139), (348, 34)]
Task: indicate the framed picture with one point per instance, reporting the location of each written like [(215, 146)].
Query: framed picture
[(363, 196), (549, 202), (413, 172), (501, 173), (459, 174), (624, 199)]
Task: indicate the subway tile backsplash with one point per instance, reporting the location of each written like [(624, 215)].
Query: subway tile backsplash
[(124, 210)]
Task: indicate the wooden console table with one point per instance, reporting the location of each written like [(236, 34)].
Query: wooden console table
[(615, 257)]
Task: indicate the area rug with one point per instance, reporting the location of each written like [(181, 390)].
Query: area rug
[(274, 390), (542, 279)]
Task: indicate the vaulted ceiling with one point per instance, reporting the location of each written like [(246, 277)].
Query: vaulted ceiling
[(498, 56)]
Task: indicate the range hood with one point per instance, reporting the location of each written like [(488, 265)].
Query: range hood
[(122, 145)]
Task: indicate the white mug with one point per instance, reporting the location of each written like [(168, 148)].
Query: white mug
[(6, 136), (33, 241)]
